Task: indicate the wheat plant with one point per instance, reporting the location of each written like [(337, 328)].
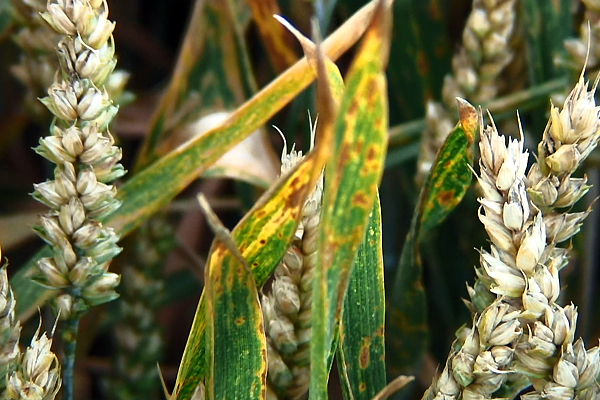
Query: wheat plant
[(342, 269)]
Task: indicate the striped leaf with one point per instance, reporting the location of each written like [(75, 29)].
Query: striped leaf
[(262, 236), (444, 188), (362, 342), (352, 176), (236, 346), (208, 76)]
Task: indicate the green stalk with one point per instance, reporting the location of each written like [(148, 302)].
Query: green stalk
[(69, 336)]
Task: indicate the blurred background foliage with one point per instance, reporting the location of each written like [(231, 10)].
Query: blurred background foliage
[(230, 59)]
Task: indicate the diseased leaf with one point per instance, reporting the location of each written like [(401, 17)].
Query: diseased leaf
[(352, 177), (207, 76), (362, 342), (444, 188), (262, 236), (235, 336), (154, 187), (277, 41), (420, 54)]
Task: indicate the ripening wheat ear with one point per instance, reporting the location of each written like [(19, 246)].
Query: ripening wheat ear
[(523, 332), (85, 157), (38, 62), (476, 68), (86, 161), (585, 49), (287, 310), (10, 329), (38, 374), (139, 331)]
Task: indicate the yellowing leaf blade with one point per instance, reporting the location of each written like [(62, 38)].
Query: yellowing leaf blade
[(236, 347), (444, 188), (352, 177)]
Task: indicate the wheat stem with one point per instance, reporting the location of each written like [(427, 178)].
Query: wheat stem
[(69, 336)]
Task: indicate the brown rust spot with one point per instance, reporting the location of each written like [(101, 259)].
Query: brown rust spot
[(344, 156), (360, 199), (362, 387), (372, 153), (262, 242), (364, 358), (240, 321), (353, 107), (445, 197), (435, 11), (358, 145)]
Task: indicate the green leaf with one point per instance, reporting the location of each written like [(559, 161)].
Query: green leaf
[(154, 187), (547, 23), (6, 18), (352, 176), (444, 188), (420, 54), (236, 346), (361, 359), (262, 236)]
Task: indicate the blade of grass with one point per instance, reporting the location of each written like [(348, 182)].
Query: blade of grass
[(352, 176), (235, 336), (211, 74), (362, 341), (154, 187), (444, 188)]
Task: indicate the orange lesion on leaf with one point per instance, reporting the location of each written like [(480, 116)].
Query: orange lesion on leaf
[(240, 321), (365, 353), (360, 199), (446, 197)]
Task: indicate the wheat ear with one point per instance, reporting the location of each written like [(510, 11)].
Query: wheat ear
[(139, 339), (287, 309), (585, 50), (10, 329), (86, 160), (523, 331)]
